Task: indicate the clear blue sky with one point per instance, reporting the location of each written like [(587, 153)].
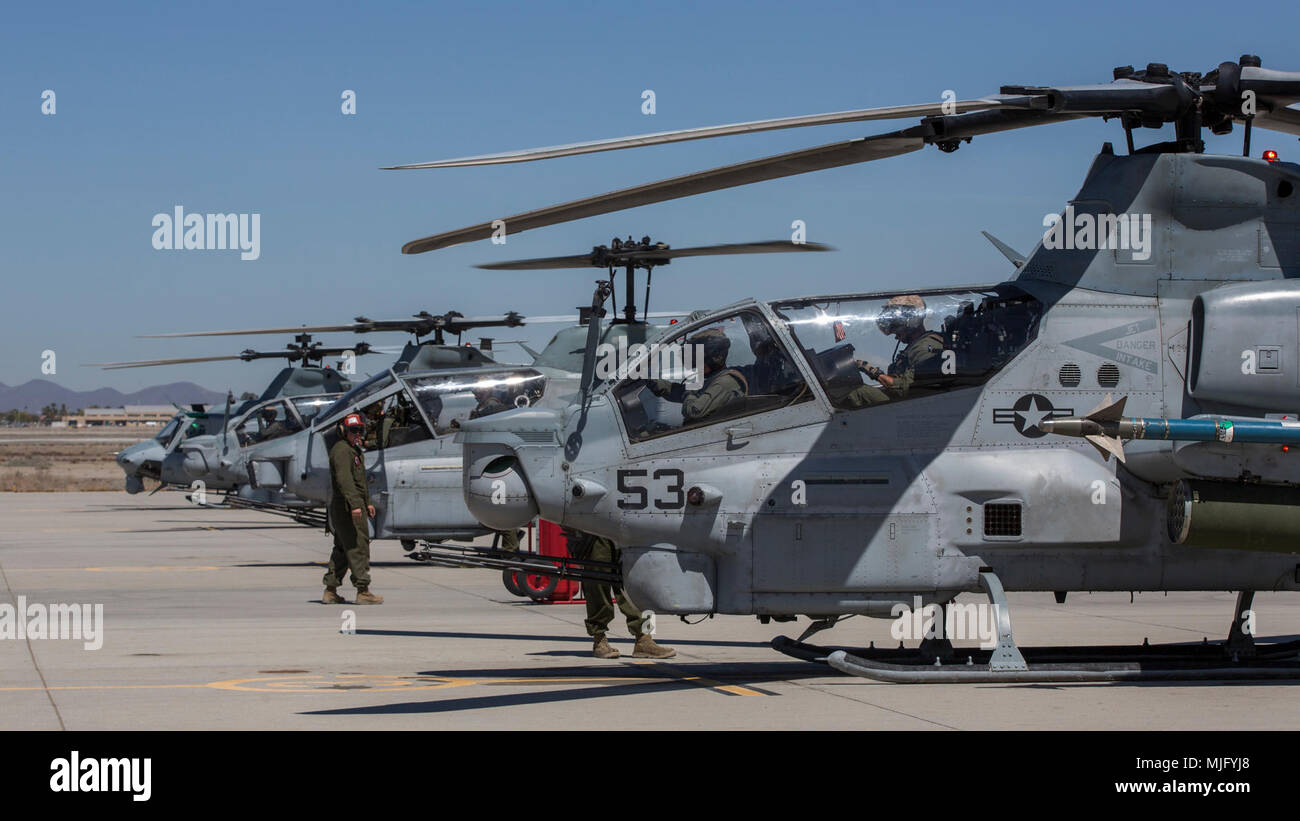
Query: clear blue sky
[(235, 107)]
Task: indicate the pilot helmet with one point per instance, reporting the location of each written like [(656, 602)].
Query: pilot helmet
[(716, 344), (905, 312), (353, 423)]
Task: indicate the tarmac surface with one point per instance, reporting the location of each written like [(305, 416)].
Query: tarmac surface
[(212, 620)]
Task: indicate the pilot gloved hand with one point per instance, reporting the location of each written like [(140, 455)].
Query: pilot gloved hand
[(869, 369), (659, 387)]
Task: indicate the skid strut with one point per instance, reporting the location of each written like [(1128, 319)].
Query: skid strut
[(312, 516), (1237, 658)]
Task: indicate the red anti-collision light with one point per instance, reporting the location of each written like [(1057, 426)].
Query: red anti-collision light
[(1270, 155)]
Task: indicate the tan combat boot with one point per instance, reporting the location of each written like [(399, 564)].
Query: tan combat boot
[(331, 596), (366, 597), (602, 650), (647, 649)]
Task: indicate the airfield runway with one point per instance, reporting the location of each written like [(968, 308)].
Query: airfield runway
[(212, 620)]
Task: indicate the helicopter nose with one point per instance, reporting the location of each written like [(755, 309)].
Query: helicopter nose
[(130, 461), (496, 491)]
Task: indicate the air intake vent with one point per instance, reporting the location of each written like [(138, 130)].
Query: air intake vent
[(1070, 375), (1108, 375), (1002, 519), (536, 437)]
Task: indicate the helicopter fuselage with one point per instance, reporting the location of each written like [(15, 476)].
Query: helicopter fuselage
[(813, 496)]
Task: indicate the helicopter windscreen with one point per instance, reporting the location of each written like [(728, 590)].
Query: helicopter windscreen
[(165, 435), (271, 421), (874, 350), (168, 430), (358, 394), (733, 367), (309, 407), (449, 400)]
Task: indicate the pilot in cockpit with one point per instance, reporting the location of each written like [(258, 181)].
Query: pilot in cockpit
[(902, 317)]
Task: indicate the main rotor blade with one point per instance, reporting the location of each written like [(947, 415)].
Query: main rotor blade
[(618, 258), (752, 127), (297, 329), (1286, 120), (426, 324), (148, 363), (861, 149), (574, 319)]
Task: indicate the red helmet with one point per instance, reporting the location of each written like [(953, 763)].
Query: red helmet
[(353, 420)]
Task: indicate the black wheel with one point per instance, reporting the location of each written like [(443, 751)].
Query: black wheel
[(511, 579), (538, 586)]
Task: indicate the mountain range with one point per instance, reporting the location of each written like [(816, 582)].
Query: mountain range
[(36, 394)]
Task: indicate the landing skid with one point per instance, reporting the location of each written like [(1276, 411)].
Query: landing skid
[(936, 661), (1167, 662)]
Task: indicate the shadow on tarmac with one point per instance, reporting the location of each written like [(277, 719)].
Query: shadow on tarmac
[(574, 638), (210, 528), (674, 677), (317, 564)]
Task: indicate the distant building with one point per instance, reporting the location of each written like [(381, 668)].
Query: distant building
[(128, 416)]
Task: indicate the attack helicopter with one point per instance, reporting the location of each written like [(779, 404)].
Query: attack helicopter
[(876, 451), (219, 461), (413, 412), (179, 456)]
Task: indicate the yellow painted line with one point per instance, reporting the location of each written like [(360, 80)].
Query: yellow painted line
[(682, 675), (317, 684), (311, 683)]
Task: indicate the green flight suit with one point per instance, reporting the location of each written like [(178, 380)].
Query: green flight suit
[(599, 595), (903, 369), (509, 539), (718, 391), (351, 534)]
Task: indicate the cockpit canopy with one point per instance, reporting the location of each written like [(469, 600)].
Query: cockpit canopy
[(408, 407), (862, 351), (449, 399), (921, 343)]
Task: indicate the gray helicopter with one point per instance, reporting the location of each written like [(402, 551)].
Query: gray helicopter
[(217, 459), (414, 409), (177, 456), (879, 453)]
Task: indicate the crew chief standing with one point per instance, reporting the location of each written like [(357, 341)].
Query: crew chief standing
[(349, 508)]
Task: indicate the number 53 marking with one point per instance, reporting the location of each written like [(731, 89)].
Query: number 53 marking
[(640, 494)]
